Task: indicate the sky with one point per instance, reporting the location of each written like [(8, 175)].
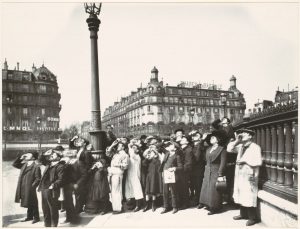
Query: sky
[(197, 42)]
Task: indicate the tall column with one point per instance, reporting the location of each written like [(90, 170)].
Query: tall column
[(280, 158), (288, 159), (295, 161), (268, 153), (98, 137), (274, 155), (263, 148)]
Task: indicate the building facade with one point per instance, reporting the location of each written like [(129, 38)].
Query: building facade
[(30, 105), (160, 109)]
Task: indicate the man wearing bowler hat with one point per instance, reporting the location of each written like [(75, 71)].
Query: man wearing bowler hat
[(29, 178), (248, 161)]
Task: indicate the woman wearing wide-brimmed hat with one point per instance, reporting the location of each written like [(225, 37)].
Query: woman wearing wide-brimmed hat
[(215, 156)]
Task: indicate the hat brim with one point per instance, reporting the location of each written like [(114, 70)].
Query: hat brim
[(251, 132)]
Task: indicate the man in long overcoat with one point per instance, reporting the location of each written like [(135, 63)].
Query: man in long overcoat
[(50, 185), (248, 161), (29, 178)]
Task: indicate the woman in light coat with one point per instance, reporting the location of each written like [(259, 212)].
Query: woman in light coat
[(133, 187), (119, 164), (249, 160)]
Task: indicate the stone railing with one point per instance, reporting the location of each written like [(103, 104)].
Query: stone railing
[(276, 131)]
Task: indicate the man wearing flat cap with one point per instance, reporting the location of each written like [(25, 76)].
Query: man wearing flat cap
[(248, 161), (30, 176)]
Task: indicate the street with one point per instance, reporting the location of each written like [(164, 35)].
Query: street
[(13, 214)]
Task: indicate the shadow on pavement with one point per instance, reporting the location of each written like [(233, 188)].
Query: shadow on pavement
[(9, 219)]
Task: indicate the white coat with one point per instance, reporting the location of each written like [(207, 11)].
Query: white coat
[(133, 187), (246, 175)]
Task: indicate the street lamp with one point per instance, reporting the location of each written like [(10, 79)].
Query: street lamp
[(223, 97), (98, 137), (38, 125)]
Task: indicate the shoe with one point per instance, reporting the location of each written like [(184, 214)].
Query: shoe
[(184, 207), (147, 207), (117, 212), (35, 221), (165, 210), (238, 217), (251, 222), (103, 213), (65, 221), (153, 206), (175, 210), (137, 209), (212, 212), (200, 206), (27, 219)]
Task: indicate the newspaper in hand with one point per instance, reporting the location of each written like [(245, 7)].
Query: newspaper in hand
[(169, 177)]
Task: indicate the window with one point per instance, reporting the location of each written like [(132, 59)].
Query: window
[(25, 98), (160, 109), (8, 110), (25, 87), (43, 88), (25, 123), (171, 100), (185, 100), (172, 109), (25, 111), (149, 109), (43, 111), (194, 101), (181, 109), (10, 76), (10, 87), (216, 110), (166, 99)]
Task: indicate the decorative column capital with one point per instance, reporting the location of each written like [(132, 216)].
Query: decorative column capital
[(93, 23)]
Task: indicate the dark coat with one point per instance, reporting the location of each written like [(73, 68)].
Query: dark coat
[(177, 163), (55, 178), (187, 158), (198, 165), (29, 179), (215, 167), (153, 183), (98, 183)]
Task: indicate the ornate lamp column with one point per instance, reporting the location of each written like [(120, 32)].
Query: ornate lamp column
[(98, 137)]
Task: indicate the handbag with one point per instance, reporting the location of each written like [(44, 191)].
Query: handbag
[(221, 184)]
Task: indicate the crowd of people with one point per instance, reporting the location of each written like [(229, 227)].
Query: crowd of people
[(185, 170)]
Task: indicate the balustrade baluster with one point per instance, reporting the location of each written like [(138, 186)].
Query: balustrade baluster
[(295, 161), (280, 158), (288, 156), (268, 153), (258, 136), (274, 155)]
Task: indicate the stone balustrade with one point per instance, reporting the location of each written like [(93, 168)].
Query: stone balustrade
[(276, 131)]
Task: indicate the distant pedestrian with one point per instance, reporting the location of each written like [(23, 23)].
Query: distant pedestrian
[(29, 178), (249, 160)]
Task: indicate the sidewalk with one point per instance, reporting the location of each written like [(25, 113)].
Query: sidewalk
[(191, 217)]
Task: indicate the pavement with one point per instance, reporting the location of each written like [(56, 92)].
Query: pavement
[(13, 214)]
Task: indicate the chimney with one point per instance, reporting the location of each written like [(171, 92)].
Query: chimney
[(5, 66), (18, 65), (33, 67)]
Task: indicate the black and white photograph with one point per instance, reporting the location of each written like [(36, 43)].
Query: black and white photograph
[(149, 114)]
